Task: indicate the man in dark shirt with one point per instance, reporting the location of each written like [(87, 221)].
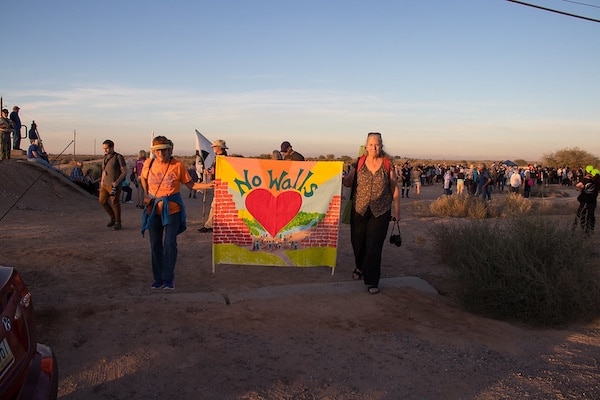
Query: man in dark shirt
[(288, 152), (114, 172)]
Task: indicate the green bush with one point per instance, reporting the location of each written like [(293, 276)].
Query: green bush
[(528, 269)]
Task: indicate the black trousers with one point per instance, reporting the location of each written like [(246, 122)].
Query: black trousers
[(367, 234), (586, 217)]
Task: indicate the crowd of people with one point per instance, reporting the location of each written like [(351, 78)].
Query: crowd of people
[(466, 179), (376, 188)]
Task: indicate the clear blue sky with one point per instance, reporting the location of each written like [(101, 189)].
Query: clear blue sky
[(464, 79)]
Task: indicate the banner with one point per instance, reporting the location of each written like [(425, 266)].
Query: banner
[(204, 147), (276, 213)]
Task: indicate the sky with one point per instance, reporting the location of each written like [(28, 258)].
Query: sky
[(462, 79)]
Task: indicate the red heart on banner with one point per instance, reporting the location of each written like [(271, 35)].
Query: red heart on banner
[(273, 212)]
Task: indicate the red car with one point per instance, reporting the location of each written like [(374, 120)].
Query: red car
[(28, 369)]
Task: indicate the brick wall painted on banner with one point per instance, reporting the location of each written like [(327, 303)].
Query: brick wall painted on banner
[(228, 228)]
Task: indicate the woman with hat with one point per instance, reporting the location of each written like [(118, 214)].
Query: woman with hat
[(164, 216)]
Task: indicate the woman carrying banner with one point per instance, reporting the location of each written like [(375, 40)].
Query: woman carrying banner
[(164, 215), (376, 200)]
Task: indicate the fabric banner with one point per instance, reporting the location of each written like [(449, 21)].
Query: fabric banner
[(276, 213), (204, 147)]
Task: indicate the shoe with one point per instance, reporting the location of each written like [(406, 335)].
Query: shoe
[(205, 229), (356, 274), (117, 227), (129, 202), (169, 285), (111, 223), (157, 285), (373, 289)]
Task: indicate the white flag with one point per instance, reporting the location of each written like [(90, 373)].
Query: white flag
[(204, 147)]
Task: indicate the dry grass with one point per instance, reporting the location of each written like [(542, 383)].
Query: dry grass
[(530, 269)]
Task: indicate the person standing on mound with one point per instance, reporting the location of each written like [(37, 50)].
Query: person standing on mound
[(376, 200), (164, 217)]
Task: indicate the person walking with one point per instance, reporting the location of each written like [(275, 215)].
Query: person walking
[(514, 180), (406, 182), (460, 180), (484, 182), (137, 169), (376, 200), (165, 217), (16, 120), (416, 179), (114, 172)]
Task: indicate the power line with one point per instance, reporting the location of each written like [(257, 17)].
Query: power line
[(581, 4), (554, 11)]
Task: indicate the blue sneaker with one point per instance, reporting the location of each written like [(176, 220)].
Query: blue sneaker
[(169, 285), (157, 285)]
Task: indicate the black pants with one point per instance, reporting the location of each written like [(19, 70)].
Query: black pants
[(368, 234), (586, 217)]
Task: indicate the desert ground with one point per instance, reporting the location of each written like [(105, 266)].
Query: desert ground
[(265, 332)]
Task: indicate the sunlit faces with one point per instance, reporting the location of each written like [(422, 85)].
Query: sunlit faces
[(218, 150), (106, 149), (162, 154), (374, 144)]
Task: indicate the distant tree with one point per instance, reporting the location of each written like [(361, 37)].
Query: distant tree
[(570, 157), (345, 158), (330, 156), (521, 162)]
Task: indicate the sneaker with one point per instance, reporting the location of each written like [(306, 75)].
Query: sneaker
[(169, 285), (117, 226), (157, 285), (205, 229), (111, 223)]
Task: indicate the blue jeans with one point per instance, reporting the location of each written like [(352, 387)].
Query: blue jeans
[(485, 191), (163, 246)]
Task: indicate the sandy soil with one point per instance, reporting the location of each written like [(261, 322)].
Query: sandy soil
[(260, 332)]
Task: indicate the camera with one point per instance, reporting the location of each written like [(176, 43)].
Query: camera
[(396, 239), (113, 192)]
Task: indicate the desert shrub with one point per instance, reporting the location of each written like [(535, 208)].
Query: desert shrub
[(515, 205), (458, 206), (529, 269), (510, 205)]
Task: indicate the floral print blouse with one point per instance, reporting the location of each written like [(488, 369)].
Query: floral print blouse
[(373, 191)]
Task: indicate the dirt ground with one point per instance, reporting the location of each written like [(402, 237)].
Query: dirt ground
[(264, 332)]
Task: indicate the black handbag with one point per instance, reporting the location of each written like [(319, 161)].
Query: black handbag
[(396, 238)]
